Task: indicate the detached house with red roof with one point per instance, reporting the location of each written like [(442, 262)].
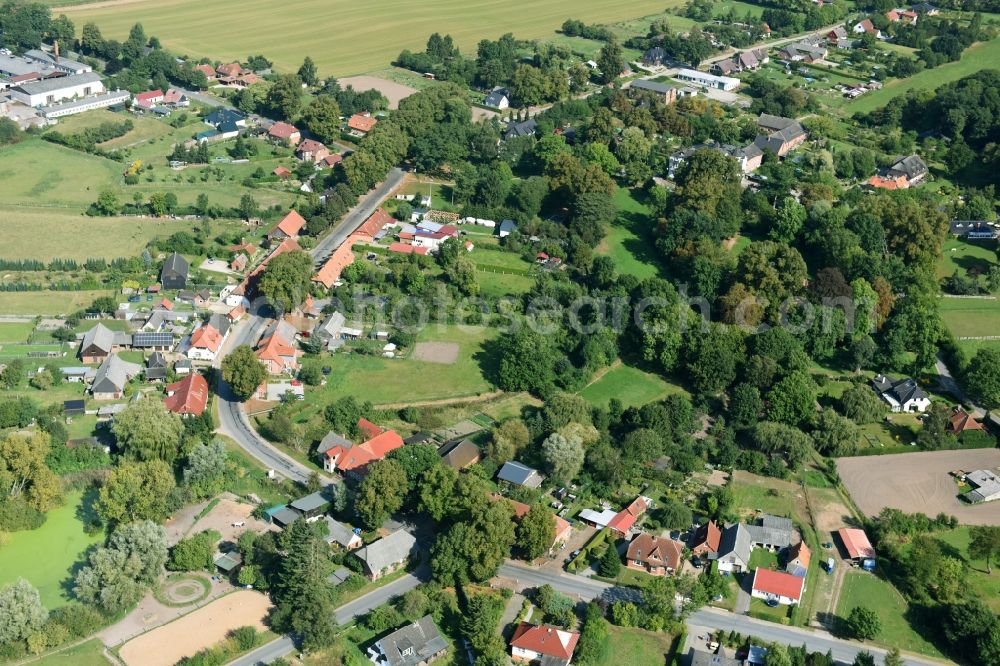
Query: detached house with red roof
[(188, 397), (207, 70), (866, 26), (546, 643), (341, 455), (278, 355), (284, 133), (311, 150), (706, 539), (361, 123), (289, 227), (149, 98), (655, 555), (625, 519), (205, 343), (778, 586)]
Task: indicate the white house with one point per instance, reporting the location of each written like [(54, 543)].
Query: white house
[(52, 91), (903, 395), (778, 586), (707, 80)]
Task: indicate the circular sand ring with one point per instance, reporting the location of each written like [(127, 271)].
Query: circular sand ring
[(186, 589)]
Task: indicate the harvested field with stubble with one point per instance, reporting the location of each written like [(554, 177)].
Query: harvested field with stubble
[(394, 92), (195, 631), (436, 352), (919, 482)]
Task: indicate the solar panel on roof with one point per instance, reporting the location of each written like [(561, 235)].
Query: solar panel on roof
[(152, 339)]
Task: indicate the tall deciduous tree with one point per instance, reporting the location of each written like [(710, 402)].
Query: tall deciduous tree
[(286, 280), (285, 96), (242, 370), (136, 491), (307, 72), (984, 544), (536, 531), (564, 456), (146, 430), (21, 611), (322, 118), (23, 472), (381, 493), (983, 376)]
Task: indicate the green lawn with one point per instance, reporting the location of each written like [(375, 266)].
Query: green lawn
[(763, 558), (630, 241), (760, 493), (303, 26), (971, 317), (398, 380), (632, 386), (90, 653), (957, 255), (487, 258), (16, 331), (636, 647), (45, 556), (36, 170), (762, 611), (977, 57), (861, 588), (983, 585)]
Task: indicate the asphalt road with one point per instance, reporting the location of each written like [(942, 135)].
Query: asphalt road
[(708, 618), (283, 646)]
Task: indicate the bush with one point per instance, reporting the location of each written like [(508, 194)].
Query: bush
[(194, 553), (245, 637), (16, 515)]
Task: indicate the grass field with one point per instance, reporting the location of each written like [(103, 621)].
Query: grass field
[(90, 653), (971, 317), (343, 38), (47, 302), (985, 586), (977, 57), (61, 539), (15, 331), (36, 170), (630, 240), (864, 589), (632, 386), (637, 647), (960, 256)]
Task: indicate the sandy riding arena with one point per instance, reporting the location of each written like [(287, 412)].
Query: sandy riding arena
[(919, 482), (436, 352), (393, 91), (195, 631)]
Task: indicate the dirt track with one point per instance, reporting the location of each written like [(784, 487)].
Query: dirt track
[(919, 482), (195, 631)]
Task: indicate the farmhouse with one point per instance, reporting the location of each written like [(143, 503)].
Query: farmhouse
[(329, 272), (518, 474), (974, 230), (804, 51), (460, 453), (47, 92), (545, 643), (174, 274), (498, 98), (856, 543), (311, 150), (99, 342), (112, 376), (797, 559), (187, 397), (925, 8), (742, 61), (149, 98), (666, 93), (778, 586), (361, 123), (658, 556), (771, 532), (986, 486), (749, 157), (903, 395), (961, 421), (523, 128), (706, 80), (706, 539), (625, 519), (734, 549), (386, 555), (784, 134), (350, 459), (277, 354), (342, 535), (206, 340), (415, 644), (289, 227), (910, 167)]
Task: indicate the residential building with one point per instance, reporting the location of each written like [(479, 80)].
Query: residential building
[(837, 34), (148, 99), (961, 421), (749, 156), (562, 529), (284, 133), (47, 92), (784, 134), (174, 274), (311, 150), (498, 98), (206, 340), (664, 92), (342, 535), (519, 474), (741, 61), (903, 395), (521, 128), (654, 57), (507, 227), (341, 455), (97, 344), (974, 230), (659, 556), (386, 555), (111, 378), (545, 643), (698, 657), (985, 486), (856, 543), (157, 341), (770, 532), (361, 123), (416, 644), (460, 453), (706, 539), (866, 27), (187, 397), (910, 167), (311, 507), (925, 8), (734, 549), (623, 521), (706, 80), (278, 354), (329, 272), (797, 560), (329, 330), (778, 586), (289, 227), (156, 367), (803, 51)]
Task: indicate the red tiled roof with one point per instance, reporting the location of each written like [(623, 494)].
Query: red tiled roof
[(898, 183), (448, 230), (290, 224), (710, 535), (189, 395), (545, 639), (274, 348), (961, 421), (236, 313), (374, 223), (230, 69), (164, 304), (656, 551), (310, 146), (282, 131), (376, 448), (330, 272), (148, 96), (332, 160), (207, 70), (282, 172), (800, 552), (856, 542), (625, 519), (403, 248), (368, 429), (361, 123), (206, 337), (778, 583)]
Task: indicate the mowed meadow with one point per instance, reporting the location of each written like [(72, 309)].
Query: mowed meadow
[(342, 36)]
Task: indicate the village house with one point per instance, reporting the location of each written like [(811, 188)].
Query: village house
[(206, 340), (518, 474), (797, 560), (386, 555), (311, 150), (866, 27), (498, 98), (903, 395), (749, 157), (974, 230), (742, 61), (784, 134), (961, 421), (625, 519), (289, 227), (460, 453), (98, 343), (654, 57), (803, 51), (342, 535), (417, 644), (148, 99), (239, 263), (734, 549), (174, 274), (664, 92), (521, 128), (360, 124), (925, 8), (283, 133), (111, 378), (156, 367), (777, 586), (187, 397), (278, 354), (341, 258), (706, 539), (658, 556), (544, 643), (329, 330), (772, 533)]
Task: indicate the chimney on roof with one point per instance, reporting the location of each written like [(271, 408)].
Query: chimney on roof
[(55, 50)]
